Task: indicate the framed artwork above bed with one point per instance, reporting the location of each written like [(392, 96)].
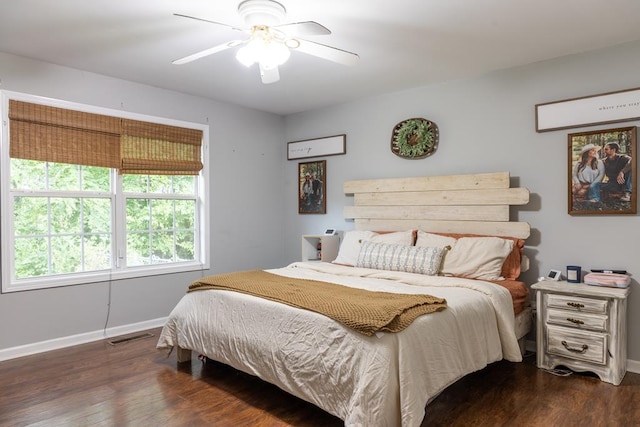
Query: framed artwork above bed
[(312, 187), (602, 171)]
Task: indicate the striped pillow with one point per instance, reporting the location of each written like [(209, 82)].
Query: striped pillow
[(411, 259)]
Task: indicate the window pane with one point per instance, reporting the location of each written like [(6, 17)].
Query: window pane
[(30, 216), (64, 177), (185, 246), (184, 184), (160, 184), (97, 215), (138, 215), (65, 215), (31, 257), (66, 254), (162, 214), (96, 178), (28, 174), (185, 211), (97, 252), (162, 244), (135, 183), (138, 249)]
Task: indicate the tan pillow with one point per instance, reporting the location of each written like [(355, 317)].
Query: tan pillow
[(434, 240), (512, 266), (477, 258)]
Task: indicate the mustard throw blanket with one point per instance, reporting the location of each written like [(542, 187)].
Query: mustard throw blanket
[(365, 311)]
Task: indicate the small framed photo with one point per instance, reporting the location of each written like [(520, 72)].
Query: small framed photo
[(312, 187), (602, 172)]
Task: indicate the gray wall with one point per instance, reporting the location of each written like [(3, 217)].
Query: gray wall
[(487, 124), (243, 162)]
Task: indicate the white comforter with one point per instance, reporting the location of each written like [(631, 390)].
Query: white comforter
[(383, 380)]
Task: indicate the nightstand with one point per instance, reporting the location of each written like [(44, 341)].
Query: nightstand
[(583, 328), (317, 247)]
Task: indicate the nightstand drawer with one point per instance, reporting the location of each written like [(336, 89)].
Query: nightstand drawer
[(567, 302), (573, 319), (574, 344)]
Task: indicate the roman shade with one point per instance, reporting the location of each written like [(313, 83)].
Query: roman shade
[(151, 148), (53, 134)]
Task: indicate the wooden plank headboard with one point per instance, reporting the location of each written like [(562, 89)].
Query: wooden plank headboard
[(474, 203)]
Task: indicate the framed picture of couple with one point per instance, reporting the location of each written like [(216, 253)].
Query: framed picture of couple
[(602, 172), (312, 187)]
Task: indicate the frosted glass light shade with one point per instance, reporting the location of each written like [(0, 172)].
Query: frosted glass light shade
[(268, 53)]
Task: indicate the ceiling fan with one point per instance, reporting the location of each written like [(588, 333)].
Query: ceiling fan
[(270, 40)]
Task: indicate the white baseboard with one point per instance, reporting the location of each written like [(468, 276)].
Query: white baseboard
[(633, 366), (58, 343)]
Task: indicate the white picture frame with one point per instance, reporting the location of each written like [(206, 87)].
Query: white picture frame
[(318, 147), (611, 107)]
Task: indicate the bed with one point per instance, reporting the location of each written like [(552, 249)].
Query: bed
[(378, 375)]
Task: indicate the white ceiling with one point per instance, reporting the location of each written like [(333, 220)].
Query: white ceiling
[(402, 43)]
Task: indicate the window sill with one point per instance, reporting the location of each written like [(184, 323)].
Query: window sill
[(97, 277)]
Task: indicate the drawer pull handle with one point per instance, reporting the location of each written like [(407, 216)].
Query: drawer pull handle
[(575, 305), (575, 350), (576, 321)]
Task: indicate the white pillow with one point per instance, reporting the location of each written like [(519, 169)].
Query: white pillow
[(412, 259), (477, 258), (350, 246)]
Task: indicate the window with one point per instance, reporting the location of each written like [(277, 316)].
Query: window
[(160, 219), (127, 203)]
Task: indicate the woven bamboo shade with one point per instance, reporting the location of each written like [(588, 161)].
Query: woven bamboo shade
[(151, 148), (40, 132), (52, 134)]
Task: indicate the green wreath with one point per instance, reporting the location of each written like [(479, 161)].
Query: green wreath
[(415, 138)]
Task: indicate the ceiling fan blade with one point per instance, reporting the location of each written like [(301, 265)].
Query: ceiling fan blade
[(210, 22), (269, 75), (306, 28), (327, 52), (207, 52)]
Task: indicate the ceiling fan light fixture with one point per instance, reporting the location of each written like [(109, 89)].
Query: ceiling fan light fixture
[(292, 43), (261, 12), (270, 41), (274, 54), (267, 52), (248, 54)]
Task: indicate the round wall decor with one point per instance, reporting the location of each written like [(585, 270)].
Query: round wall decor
[(414, 138)]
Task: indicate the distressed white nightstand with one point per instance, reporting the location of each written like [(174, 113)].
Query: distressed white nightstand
[(583, 328)]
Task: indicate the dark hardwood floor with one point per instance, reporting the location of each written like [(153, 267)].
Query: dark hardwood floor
[(132, 384)]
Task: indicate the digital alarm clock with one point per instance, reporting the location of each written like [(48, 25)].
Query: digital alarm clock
[(554, 275)]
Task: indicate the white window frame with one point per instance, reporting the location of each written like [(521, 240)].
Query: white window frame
[(117, 271)]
